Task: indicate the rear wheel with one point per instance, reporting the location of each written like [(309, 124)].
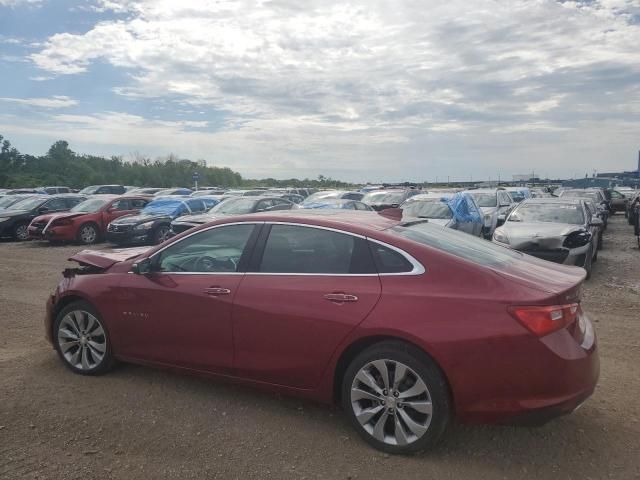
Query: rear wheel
[(81, 339), (588, 262), (88, 234), (21, 232), (396, 398)]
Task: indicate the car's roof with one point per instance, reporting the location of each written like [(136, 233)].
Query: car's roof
[(348, 220), (432, 196), (555, 200), (485, 190)]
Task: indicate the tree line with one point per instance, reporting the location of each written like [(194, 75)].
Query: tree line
[(62, 166)]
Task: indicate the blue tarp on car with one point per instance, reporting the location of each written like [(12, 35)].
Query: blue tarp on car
[(463, 207)]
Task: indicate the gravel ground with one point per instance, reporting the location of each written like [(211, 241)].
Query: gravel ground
[(141, 423)]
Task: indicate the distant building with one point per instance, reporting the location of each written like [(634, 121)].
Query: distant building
[(523, 178)]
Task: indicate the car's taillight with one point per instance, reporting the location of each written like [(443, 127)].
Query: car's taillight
[(542, 320)]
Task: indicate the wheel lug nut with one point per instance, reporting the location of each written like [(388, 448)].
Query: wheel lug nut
[(384, 392), (396, 394)]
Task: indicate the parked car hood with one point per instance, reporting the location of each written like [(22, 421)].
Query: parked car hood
[(198, 219), (107, 258), (140, 218), (540, 235), (51, 216)]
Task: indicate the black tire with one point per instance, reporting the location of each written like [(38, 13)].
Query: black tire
[(600, 242), (83, 236), (588, 262), (101, 366), (423, 367), (21, 232), (161, 234)]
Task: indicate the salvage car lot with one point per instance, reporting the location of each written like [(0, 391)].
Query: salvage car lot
[(142, 423)]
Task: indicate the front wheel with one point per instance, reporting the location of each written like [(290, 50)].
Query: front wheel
[(88, 234), (21, 232), (396, 398), (81, 339)]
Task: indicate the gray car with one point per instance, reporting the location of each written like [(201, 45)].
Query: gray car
[(495, 204), (456, 210), (558, 230)]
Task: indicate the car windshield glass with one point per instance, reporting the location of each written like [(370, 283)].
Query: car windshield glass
[(323, 196), (234, 206), (383, 197), (548, 212), (485, 199), (427, 209), (164, 207), (10, 200), (579, 194), (89, 190), (457, 243), (517, 196), (88, 206), (28, 204)]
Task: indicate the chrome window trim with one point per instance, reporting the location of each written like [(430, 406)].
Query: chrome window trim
[(254, 223), (418, 268)]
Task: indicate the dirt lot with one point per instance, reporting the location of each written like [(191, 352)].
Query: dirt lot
[(142, 423)]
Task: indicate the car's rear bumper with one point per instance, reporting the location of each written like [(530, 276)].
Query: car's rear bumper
[(552, 380)]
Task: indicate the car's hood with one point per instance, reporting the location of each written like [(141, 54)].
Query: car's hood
[(198, 219), (434, 221), (140, 218), (107, 258), (523, 236), (54, 216)]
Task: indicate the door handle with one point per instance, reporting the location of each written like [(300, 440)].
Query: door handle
[(340, 297), (215, 291)]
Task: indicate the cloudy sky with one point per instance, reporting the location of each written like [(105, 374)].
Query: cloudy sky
[(360, 90)]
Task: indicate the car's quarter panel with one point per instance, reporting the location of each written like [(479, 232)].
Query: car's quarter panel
[(285, 330), (170, 318), (457, 313)]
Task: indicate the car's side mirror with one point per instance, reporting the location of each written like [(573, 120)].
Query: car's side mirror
[(142, 267), (596, 222)]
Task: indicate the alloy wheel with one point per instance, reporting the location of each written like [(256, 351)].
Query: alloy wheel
[(163, 234), (88, 234), (22, 232), (391, 402), (82, 340)]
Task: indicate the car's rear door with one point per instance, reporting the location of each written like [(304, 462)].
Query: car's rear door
[(180, 313), (307, 288)]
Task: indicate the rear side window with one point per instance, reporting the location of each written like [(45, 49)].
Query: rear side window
[(457, 243), (388, 260), (307, 250)]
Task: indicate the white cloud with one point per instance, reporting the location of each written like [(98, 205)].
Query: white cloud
[(15, 3), (373, 79), (57, 101)]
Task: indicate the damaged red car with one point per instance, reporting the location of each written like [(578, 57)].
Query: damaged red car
[(407, 325), (87, 222)]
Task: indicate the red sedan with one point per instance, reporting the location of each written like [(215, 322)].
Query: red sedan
[(86, 222), (406, 324)]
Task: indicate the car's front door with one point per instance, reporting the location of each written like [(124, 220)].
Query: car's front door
[(308, 289), (179, 313)]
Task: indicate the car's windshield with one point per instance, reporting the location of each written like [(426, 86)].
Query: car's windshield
[(10, 200), (581, 194), (90, 190), (323, 196), (165, 207), (457, 243), (29, 203), (433, 208), (548, 212), (383, 197), (234, 206), (517, 195), (89, 206), (485, 199)]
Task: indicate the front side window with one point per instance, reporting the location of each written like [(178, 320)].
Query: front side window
[(217, 250), (55, 204), (307, 250), (120, 205)]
